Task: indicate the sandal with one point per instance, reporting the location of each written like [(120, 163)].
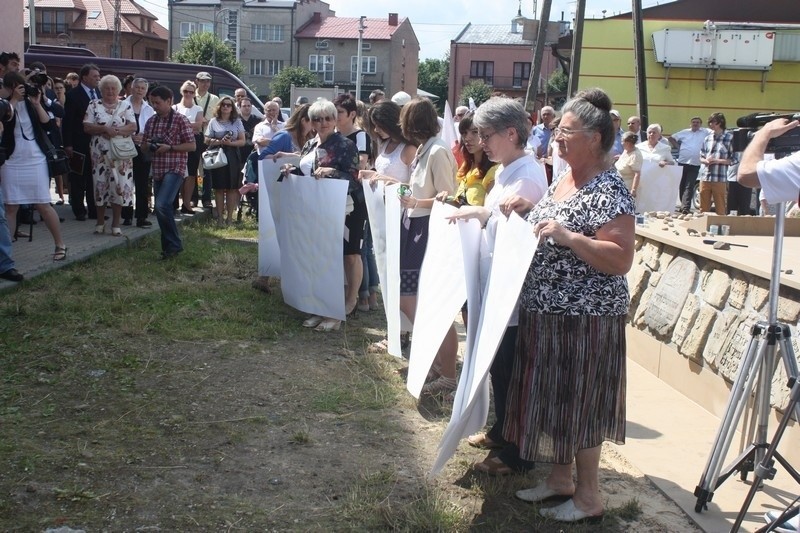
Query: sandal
[(329, 324), (493, 466), (482, 440), (313, 321), (60, 253), (116, 232), (99, 229)]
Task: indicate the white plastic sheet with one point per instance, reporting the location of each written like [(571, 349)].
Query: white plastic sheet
[(269, 253), (658, 187), (513, 252), (440, 295), (310, 235)]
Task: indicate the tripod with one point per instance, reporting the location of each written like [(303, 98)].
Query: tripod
[(765, 469), (759, 361)]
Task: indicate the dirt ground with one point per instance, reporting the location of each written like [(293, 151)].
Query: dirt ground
[(302, 432)]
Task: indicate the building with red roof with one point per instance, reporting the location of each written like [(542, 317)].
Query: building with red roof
[(90, 24)]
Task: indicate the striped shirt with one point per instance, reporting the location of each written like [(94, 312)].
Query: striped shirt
[(717, 146)]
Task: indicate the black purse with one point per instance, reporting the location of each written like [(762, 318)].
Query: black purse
[(57, 163)]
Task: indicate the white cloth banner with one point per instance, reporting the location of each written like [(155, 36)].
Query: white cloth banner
[(658, 187), (513, 252), (310, 235), (269, 191), (387, 250), (440, 295)]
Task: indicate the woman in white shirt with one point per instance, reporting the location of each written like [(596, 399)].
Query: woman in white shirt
[(194, 113)]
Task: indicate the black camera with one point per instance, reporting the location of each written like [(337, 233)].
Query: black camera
[(31, 90), (785, 144), (155, 142)]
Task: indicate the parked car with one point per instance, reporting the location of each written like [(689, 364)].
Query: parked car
[(60, 60)]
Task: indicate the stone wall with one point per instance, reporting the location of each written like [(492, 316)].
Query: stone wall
[(704, 310)]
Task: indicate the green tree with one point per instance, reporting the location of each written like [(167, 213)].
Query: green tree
[(433, 77), (557, 85), (477, 90), (203, 48), (298, 76)]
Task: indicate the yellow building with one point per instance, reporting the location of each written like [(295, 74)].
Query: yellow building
[(677, 93)]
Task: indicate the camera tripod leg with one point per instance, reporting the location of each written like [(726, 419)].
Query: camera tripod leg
[(766, 469), (740, 393)]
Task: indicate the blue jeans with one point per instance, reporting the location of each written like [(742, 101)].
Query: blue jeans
[(6, 263), (165, 191), (369, 280)]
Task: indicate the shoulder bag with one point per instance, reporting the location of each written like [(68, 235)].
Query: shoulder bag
[(121, 147), (214, 158)]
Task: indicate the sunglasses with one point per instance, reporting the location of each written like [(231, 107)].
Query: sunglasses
[(188, 92), (226, 104), (320, 119)]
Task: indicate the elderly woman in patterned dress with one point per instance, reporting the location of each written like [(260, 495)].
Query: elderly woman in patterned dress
[(567, 389), (113, 180)]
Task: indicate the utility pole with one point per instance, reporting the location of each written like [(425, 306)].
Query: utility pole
[(577, 44), (359, 69), (538, 52), (116, 45), (639, 70), (31, 23)]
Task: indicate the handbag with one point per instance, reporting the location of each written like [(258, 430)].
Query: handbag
[(57, 162), (214, 158), (120, 147)]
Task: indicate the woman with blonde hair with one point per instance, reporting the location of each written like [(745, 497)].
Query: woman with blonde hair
[(225, 130), (189, 109), (105, 118)]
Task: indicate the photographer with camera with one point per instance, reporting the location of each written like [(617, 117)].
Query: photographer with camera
[(25, 178), (169, 137), (779, 179)]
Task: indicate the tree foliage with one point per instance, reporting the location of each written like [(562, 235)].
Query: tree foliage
[(557, 85), (298, 76), (199, 48), (477, 90), (433, 77)]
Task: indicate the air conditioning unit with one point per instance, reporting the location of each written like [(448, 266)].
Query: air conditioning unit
[(321, 45), (366, 47)]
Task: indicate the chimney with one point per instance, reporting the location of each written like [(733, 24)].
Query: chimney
[(392, 19), (317, 17)]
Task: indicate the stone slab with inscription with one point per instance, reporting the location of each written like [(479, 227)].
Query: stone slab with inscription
[(667, 300)]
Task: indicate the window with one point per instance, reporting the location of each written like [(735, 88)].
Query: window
[(522, 72), (186, 29), (258, 32), (274, 66), (369, 65), (258, 67), (205, 27), (322, 64), (54, 21), (483, 70), (275, 33)]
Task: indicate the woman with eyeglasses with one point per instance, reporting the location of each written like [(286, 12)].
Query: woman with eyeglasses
[(567, 387), (142, 111), (225, 130), (501, 125), (332, 155), (189, 109)]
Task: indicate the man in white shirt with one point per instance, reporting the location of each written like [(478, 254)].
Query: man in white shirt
[(266, 129), (779, 179), (689, 142), (208, 102)]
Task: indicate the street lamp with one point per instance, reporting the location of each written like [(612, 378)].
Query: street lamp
[(225, 12)]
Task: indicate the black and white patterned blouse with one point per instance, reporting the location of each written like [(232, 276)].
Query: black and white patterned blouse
[(560, 283)]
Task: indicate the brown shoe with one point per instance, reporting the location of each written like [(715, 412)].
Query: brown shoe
[(482, 440), (493, 466)]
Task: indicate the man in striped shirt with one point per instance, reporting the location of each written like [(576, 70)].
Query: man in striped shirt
[(717, 155)]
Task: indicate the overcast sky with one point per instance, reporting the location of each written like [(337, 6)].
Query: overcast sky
[(437, 22)]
